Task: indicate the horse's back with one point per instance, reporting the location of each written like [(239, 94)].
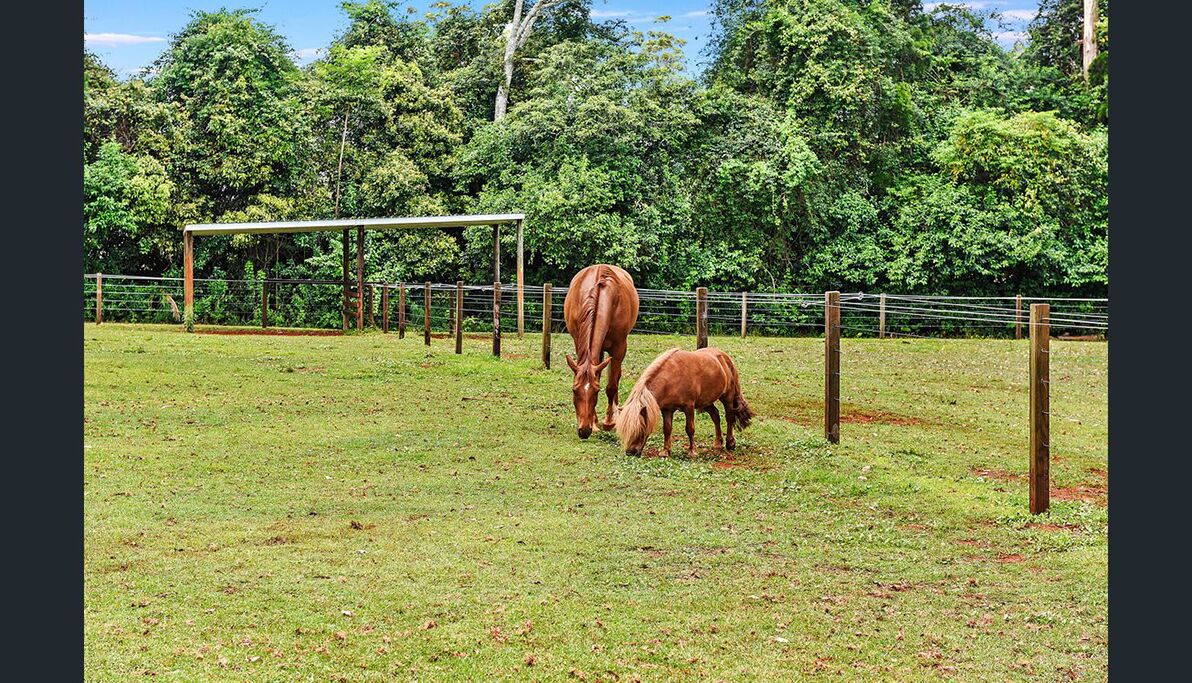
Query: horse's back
[(617, 288)]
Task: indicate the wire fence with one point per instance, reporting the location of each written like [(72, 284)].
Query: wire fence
[(322, 304)]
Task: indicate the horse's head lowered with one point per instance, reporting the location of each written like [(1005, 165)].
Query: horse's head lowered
[(584, 391)]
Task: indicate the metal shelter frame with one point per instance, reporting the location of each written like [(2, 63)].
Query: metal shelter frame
[(360, 224)]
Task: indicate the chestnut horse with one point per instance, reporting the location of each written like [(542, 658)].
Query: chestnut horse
[(600, 309), (687, 381)]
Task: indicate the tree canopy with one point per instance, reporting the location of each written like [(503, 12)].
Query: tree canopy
[(853, 144)]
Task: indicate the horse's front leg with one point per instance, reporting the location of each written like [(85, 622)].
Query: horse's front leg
[(667, 417), (730, 416), (612, 391)]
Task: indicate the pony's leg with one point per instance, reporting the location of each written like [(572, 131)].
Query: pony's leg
[(730, 416), (612, 391), (689, 413), (715, 415), (667, 417)]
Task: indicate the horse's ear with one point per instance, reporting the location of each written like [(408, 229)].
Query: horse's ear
[(571, 363), (603, 364)]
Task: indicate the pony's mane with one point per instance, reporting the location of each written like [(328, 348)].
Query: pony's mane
[(629, 420)]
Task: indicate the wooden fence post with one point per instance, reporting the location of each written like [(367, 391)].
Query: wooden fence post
[(426, 314), (188, 280), (385, 307), (264, 304), (99, 298), (459, 316), (546, 324), (744, 312), (359, 279), (701, 317), (1018, 316), (346, 246), (1040, 467), (401, 310), (497, 318), (832, 366), (881, 317)]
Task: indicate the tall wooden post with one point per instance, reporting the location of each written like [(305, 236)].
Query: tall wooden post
[(546, 325), (188, 280), (401, 310), (385, 307), (701, 317), (1018, 316), (1040, 467), (426, 314), (98, 298), (497, 253), (370, 319), (459, 316), (264, 303), (521, 285), (832, 366), (497, 318), (744, 312), (359, 279), (347, 242), (881, 316)]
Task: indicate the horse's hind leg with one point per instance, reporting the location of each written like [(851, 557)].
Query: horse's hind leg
[(689, 413), (730, 417), (612, 391), (715, 415)]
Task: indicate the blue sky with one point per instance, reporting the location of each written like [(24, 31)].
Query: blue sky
[(129, 34)]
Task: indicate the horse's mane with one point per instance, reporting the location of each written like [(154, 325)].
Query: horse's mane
[(629, 420), (588, 309)]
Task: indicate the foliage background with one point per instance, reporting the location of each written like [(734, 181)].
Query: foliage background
[(845, 144)]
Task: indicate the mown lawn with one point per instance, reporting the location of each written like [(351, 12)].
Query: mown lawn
[(365, 508)]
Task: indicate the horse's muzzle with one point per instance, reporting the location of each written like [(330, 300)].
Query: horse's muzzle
[(584, 432)]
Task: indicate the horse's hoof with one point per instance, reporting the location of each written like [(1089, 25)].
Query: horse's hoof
[(731, 445), (608, 426)]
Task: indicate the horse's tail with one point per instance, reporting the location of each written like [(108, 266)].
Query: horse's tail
[(637, 416), (741, 414)]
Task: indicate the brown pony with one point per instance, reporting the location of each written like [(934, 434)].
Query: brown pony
[(687, 381), (600, 309)]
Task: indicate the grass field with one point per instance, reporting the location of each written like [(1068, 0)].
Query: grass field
[(365, 508)]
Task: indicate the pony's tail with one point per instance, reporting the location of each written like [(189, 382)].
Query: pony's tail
[(637, 415), (742, 414)]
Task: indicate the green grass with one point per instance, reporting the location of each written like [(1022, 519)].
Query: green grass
[(304, 508)]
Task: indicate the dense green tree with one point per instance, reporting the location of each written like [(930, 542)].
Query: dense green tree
[(125, 203)]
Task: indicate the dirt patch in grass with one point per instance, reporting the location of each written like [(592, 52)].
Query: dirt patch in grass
[(274, 332), (1009, 558), (1049, 526), (810, 412), (1085, 493)]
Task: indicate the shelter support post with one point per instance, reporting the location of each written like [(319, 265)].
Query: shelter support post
[(359, 279), (521, 283), (188, 282), (497, 318)]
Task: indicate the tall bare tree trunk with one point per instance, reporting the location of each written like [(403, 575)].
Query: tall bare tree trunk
[(339, 170), (1089, 39), (511, 31)]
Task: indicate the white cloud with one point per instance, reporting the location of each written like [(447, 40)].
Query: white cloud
[(1019, 14), (602, 13), (119, 39), (692, 15), (1009, 36), (309, 52)]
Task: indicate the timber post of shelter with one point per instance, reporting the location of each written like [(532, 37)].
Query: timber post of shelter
[(188, 280), (264, 304), (385, 307), (344, 226), (1018, 316), (426, 314), (744, 312), (832, 366), (497, 318), (1040, 465), (459, 316), (701, 317), (401, 310), (546, 314), (521, 284), (881, 316), (98, 298)]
